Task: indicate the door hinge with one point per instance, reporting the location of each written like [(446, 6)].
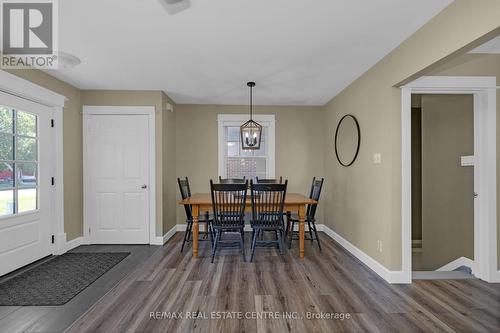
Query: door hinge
[(53, 239), (89, 230), (51, 122), (53, 181)]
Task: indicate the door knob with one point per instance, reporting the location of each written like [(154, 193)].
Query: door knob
[(144, 186)]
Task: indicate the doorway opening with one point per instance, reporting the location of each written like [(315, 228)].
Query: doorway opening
[(483, 92), (442, 128)]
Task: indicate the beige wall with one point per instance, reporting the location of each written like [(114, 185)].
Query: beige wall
[(447, 187), (138, 98), (299, 145), (73, 156), (169, 178), (479, 65), (72, 137), (363, 202)]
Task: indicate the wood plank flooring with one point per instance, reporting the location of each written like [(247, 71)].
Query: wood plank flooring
[(276, 295), (55, 319)]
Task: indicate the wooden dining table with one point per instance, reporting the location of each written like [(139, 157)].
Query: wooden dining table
[(294, 202)]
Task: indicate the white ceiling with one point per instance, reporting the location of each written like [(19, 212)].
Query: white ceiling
[(492, 47), (300, 52)]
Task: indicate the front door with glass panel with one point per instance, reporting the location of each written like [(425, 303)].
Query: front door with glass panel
[(26, 197)]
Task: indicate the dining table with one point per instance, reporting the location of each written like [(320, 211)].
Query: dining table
[(294, 203)]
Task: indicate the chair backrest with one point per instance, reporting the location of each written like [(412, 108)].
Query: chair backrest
[(185, 193), (231, 180), (268, 201), (228, 204), (316, 186), (269, 181)]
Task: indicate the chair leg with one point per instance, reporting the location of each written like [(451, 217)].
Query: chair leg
[(288, 217), (316, 233), (310, 231), (280, 241), (214, 248), (186, 235), (254, 241), (190, 226), (213, 232), (207, 216), (210, 234), (242, 244), (291, 236)]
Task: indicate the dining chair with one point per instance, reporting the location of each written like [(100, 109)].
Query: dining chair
[(269, 180), (186, 193), (231, 180), (228, 204), (310, 219), (268, 201)]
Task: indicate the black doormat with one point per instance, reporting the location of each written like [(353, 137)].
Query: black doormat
[(58, 280)]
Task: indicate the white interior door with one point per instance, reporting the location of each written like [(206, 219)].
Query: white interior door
[(26, 191), (117, 207)]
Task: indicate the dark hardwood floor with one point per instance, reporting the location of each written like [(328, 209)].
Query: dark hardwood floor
[(55, 319), (328, 282)]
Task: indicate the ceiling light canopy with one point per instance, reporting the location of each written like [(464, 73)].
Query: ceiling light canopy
[(66, 60)]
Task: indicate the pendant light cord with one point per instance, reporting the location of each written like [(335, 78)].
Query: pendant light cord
[(251, 105)]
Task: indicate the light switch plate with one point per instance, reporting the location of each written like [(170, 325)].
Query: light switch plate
[(467, 160), (377, 158)]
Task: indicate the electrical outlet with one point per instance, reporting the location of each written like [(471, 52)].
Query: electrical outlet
[(377, 158)]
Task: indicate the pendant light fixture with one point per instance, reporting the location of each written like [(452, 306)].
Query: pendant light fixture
[(250, 131)]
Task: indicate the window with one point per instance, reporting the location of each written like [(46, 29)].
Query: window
[(235, 162), (18, 161)]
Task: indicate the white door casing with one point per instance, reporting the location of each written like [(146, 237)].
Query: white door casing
[(117, 175)]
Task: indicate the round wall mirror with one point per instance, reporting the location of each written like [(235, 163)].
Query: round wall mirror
[(347, 140)]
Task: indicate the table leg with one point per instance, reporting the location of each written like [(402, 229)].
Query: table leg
[(196, 229), (302, 218), (205, 227)]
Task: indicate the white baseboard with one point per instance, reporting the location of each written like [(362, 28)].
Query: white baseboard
[(496, 278), (169, 234), (161, 240), (459, 262), (378, 268), (73, 243)]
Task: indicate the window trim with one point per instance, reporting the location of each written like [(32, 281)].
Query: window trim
[(266, 120)]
